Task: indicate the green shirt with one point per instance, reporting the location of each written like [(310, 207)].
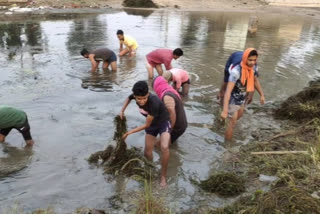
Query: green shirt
[(11, 117)]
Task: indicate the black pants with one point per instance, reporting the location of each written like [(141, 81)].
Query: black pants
[(24, 129)]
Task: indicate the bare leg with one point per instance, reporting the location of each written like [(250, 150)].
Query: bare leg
[(165, 154), (114, 66), (105, 65), (231, 124), (159, 69), (123, 52), (2, 138), (185, 89), (149, 145), (150, 71), (240, 112)]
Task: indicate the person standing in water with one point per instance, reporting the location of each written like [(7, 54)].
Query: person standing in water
[(12, 118), (180, 79), (157, 123), (157, 57), (107, 56), (242, 79), (172, 100), (130, 43)]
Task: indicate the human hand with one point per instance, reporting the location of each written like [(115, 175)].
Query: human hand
[(224, 114), (121, 115), (262, 100), (124, 136)]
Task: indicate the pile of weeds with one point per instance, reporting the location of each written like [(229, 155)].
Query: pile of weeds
[(224, 184), (129, 162), (302, 106), (139, 3)]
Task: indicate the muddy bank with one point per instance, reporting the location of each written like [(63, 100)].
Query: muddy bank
[(282, 171), (41, 7)]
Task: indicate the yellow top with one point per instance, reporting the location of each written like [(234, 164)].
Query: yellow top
[(130, 42)]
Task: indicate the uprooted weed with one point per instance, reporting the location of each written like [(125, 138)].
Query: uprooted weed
[(121, 160)]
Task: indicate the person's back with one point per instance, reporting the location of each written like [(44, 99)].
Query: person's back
[(102, 54), (160, 56), (11, 117), (129, 41), (179, 75), (181, 118)]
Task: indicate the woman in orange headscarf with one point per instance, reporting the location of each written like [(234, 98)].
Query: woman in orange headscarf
[(242, 81)]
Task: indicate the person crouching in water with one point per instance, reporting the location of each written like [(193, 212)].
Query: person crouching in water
[(12, 118), (242, 80), (157, 122), (180, 79), (172, 100)]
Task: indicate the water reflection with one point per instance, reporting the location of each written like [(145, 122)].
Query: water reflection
[(99, 82), (143, 13), (73, 122)]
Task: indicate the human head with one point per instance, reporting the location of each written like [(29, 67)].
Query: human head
[(167, 75), (141, 92), (85, 53), (120, 35), (177, 53), (252, 57)]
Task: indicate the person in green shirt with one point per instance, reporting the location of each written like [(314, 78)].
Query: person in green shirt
[(14, 118)]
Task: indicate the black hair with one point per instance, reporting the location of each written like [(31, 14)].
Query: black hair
[(178, 52), (84, 51), (140, 88), (120, 32), (253, 53)]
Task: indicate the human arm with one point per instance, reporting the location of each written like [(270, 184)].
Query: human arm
[(147, 124), (170, 105), (124, 106), (121, 45), (226, 99), (222, 90), (94, 63), (258, 87)]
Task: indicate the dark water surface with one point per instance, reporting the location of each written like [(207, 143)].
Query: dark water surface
[(71, 110)]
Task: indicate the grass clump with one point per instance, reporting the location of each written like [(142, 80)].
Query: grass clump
[(305, 105), (224, 184), (129, 162)]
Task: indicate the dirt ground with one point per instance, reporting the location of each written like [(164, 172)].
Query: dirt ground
[(254, 6)]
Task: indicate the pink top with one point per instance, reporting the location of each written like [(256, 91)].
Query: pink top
[(161, 86), (160, 56), (179, 76)]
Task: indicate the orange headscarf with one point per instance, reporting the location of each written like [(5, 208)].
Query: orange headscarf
[(247, 73)]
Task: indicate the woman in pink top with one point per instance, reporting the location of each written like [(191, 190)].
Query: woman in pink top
[(180, 78), (161, 56)]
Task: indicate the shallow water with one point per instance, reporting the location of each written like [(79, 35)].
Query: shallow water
[(71, 111)]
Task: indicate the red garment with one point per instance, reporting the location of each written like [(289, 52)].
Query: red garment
[(160, 56)]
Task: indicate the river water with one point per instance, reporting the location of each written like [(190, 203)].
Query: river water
[(71, 110)]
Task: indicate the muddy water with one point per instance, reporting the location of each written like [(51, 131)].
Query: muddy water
[(71, 110)]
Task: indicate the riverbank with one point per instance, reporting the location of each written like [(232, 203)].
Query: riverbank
[(41, 7)]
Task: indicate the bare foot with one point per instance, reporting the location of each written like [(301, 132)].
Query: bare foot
[(163, 182), (29, 143)]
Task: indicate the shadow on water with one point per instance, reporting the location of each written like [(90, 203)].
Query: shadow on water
[(14, 159)]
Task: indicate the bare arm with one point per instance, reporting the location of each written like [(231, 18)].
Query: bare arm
[(121, 45), (147, 124), (226, 100), (258, 87), (124, 106), (94, 63), (170, 104), (222, 90)]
